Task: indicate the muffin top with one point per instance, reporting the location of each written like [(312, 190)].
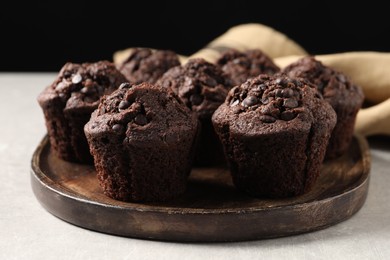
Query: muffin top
[(241, 66), (146, 65), (201, 86), (335, 87), (144, 113), (273, 103), (82, 85)]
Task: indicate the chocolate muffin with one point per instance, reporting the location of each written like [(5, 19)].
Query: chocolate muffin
[(202, 87), (275, 131), (345, 97), (69, 101), (241, 66), (142, 138), (146, 65)]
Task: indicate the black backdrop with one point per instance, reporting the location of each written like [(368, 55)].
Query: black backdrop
[(43, 36)]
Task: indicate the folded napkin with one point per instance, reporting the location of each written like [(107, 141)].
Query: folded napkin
[(370, 70)]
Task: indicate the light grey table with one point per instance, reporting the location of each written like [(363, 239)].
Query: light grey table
[(27, 231)]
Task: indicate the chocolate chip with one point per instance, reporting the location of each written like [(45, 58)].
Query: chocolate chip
[(117, 128), (90, 99), (266, 109), (250, 101), (287, 92), (287, 115), (77, 79), (290, 103), (278, 80), (87, 90), (278, 93), (265, 101), (196, 99), (123, 105), (211, 82), (62, 96), (279, 102), (262, 87), (267, 119), (60, 86), (124, 85), (342, 78), (140, 119), (234, 103), (188, 81), (236, 61), (297, 83), (84, 90)]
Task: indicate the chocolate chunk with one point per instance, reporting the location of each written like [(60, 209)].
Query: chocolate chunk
[(196, 99), (67, 74), (87, 90), (290, 103), (250, 101), (234, 102), (123, 105), (89, 99), (287, 115), (211, 82), (279, 102), (262, 87), (62, 96), (342, 78), (267, 119), (77, 79), (188, 81), (287, 92), (117, 128), (279, 93), (124, 85), (236, 61), (140, 119), (278, 81), (265, 101)]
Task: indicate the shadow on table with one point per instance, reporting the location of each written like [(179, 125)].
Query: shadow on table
[(373, 220)]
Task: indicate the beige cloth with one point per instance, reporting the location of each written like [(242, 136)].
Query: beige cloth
[(370, 70)]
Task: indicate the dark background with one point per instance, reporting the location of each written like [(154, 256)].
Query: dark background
[(43, 36)]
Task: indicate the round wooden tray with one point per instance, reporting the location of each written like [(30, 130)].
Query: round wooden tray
[(211, 209)]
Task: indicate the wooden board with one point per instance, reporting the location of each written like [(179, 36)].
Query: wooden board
[(211, 209)]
